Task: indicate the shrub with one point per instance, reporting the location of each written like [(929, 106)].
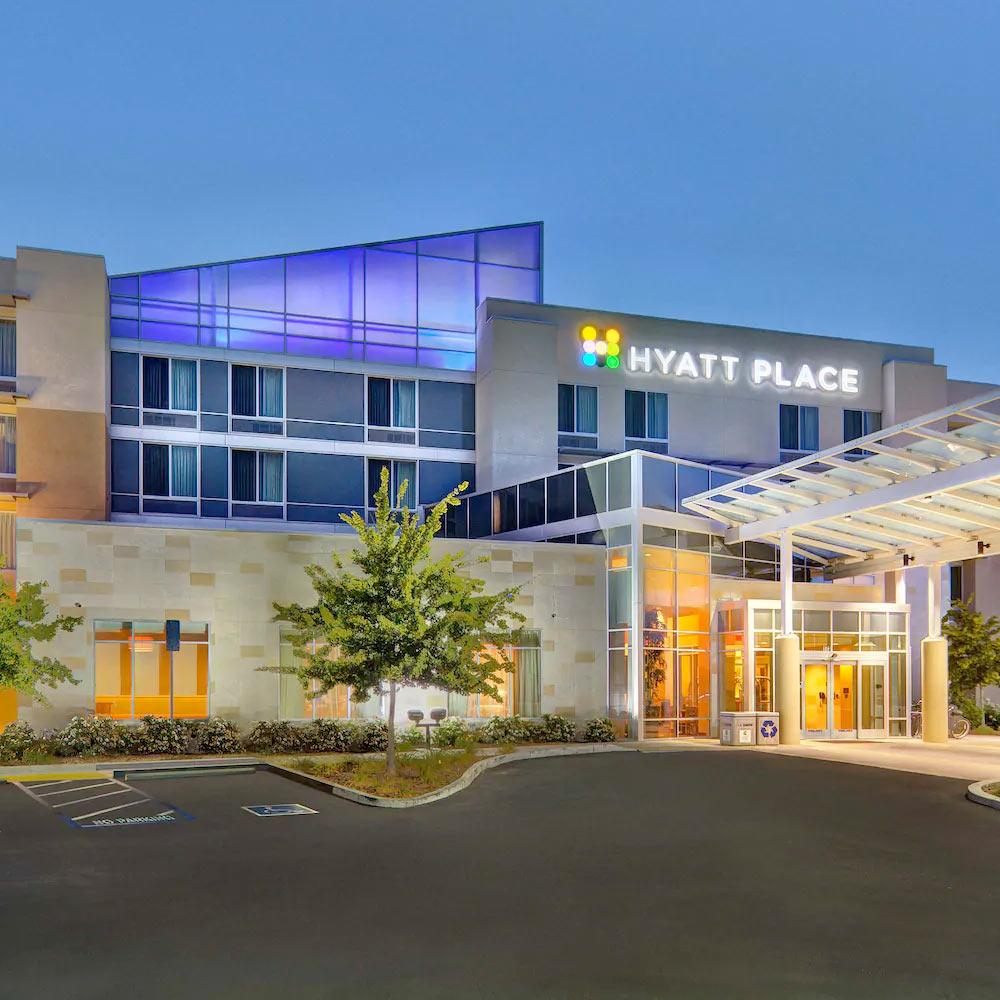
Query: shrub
[(155, 735), (323, 736), (971, 711), (275, 736), (599, 731), (505, 729), (366, 736), (19, 742), (215, 736), (991, 715), (554, 729), (452, 732), (412, 736), (90, 736)]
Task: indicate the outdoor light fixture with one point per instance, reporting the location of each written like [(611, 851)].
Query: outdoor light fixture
[(600, 351), (416, 716)]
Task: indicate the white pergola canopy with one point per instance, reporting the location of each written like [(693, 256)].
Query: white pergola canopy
[(925, 491)]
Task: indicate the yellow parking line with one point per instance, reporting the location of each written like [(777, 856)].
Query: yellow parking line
[(56, 776)]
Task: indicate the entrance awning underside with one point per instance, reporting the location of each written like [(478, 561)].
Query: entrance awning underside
[(924, 491)]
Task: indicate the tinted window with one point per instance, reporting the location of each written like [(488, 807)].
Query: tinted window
[(156, 470), (690, 480), (505, 509), (481, 515), (244, 391), (619, 484), (335, 397), (124, 379), (447, 406), (156, 383), (125, 466), (659, 484), (437, 479), (591, 490), (635, 414), (378, 401), (559, 503), (531, 503), (326, 479)]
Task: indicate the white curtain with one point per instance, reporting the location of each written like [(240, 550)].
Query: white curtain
[(183, 386), (271, 467)]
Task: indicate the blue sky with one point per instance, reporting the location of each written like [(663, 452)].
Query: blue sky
[(826, 167)]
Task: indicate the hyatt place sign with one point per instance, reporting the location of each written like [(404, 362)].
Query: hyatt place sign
[(704, 366)]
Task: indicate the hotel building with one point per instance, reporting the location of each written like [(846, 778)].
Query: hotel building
[(179, 444)]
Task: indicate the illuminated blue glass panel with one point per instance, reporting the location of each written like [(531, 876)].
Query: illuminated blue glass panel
[(390, 355), (507, 283), (125, 328), (170, 333), (129, 285), (258, 284), (390, 288), (251, 340), (307, 347), (214, 285), (400, 246), (398, 336), (124, 308), (210, 336), (456, 361), (448, 341), (328, 329), (460, 247), (517, 247), (167, 312), (446, 294), (213, 316), (327, 284), (254, 319), (176, 286)]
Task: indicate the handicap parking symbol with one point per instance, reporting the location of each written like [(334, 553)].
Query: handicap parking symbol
[(282, 809), (768, 729)]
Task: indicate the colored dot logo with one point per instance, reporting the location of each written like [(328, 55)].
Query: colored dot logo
[(601, 349)]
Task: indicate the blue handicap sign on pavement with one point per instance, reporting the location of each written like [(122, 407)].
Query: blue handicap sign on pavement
[(768, 729), (282, 809)]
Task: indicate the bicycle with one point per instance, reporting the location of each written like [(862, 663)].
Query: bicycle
[(958, 725)]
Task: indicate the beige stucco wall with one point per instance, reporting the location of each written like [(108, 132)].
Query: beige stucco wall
[(230, 579)]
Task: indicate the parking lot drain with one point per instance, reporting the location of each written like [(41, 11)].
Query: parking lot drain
[(284, 809)]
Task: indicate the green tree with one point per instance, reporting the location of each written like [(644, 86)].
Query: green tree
[(24, 620), (398, 618), (973, 649)]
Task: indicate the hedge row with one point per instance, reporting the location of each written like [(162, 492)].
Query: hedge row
[(90, 736)]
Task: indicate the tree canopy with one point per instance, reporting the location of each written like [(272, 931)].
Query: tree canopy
[(24, 620), (396, 618), (973, 648)]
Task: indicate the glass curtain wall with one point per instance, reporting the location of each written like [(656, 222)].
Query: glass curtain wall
[(135, 674), (676, 670), (407, 302), (519, 689)]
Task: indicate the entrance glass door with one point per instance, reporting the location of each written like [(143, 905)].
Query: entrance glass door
[(843, 699)]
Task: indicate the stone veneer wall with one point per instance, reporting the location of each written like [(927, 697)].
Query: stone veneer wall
[(229, 579)]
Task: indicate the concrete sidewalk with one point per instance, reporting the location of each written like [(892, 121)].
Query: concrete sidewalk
[(976, 758)]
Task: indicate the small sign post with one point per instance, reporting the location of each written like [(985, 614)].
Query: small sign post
[(173, 634)]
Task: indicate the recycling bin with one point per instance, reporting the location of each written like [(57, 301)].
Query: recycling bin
[(767, 729), (737, 729)]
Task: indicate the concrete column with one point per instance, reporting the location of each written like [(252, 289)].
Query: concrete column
[(934, 685), (934, 665), (787, 662), (788, 680)]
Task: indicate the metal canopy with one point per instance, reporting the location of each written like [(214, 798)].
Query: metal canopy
[(923, 491)]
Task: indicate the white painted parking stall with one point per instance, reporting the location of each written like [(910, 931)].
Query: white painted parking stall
[(97, 801)]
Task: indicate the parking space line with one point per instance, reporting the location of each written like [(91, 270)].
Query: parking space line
[(90, 798), (124, 805), (82, 788)]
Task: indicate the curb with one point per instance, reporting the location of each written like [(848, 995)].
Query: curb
[(460, 783), (976, 792)]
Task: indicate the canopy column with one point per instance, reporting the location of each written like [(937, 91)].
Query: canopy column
[(934, 665), (788, 666)]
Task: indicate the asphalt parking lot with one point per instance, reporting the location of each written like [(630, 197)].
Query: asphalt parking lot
[(691, 874)]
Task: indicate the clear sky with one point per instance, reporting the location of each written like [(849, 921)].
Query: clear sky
[(829, 167)]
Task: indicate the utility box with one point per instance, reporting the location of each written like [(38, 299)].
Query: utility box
[(737, 729), (767, 729)]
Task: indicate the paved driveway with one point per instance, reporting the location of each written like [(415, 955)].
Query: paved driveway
[(691, 874)]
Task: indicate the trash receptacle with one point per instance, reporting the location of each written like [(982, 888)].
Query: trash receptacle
[(737, 729), (767, 729)]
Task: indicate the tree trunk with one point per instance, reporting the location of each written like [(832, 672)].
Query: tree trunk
[(390, 751)]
